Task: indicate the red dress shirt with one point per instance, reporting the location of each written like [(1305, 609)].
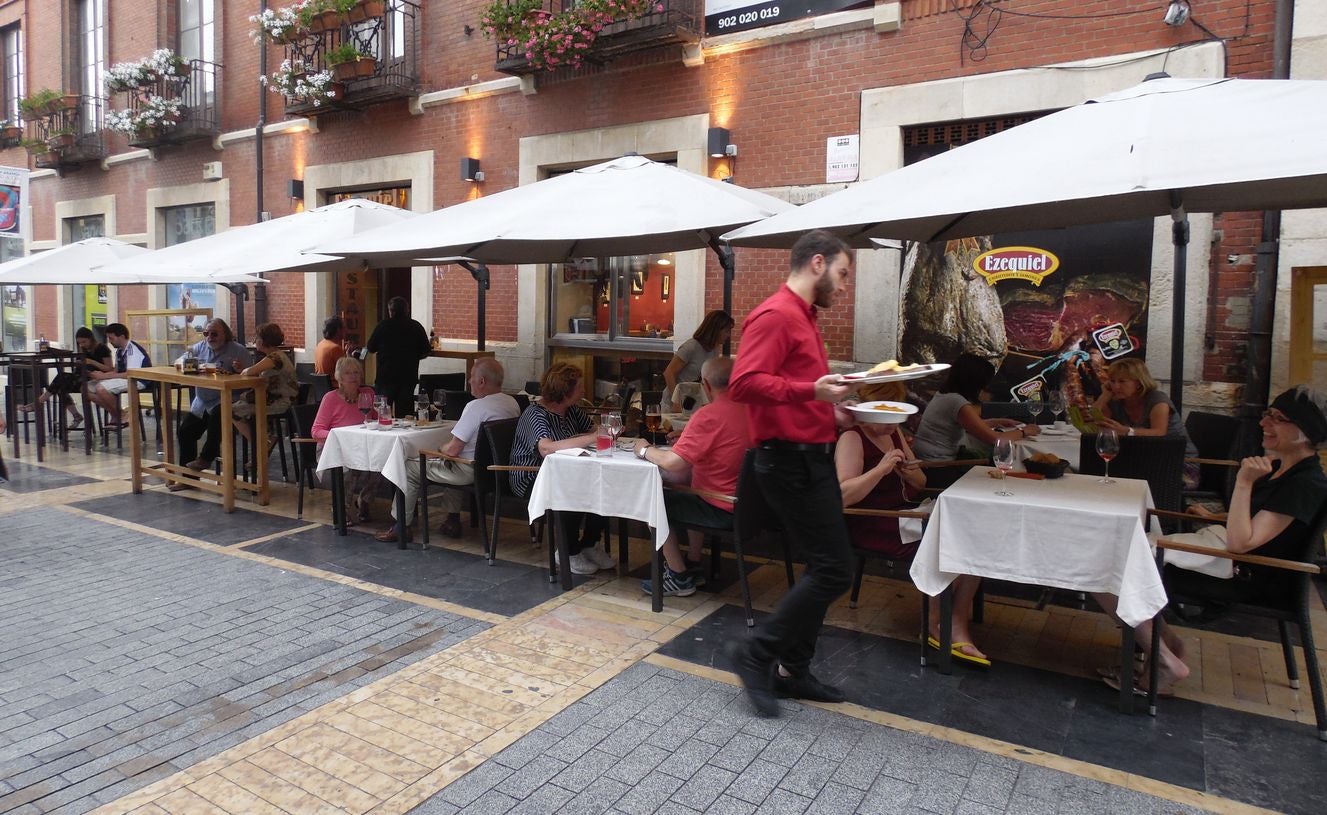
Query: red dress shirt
[(781, 357)]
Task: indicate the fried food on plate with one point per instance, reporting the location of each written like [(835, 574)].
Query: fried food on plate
[(888, 407), (890, 366)]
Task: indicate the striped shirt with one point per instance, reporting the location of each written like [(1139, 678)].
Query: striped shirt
[(538, 423)]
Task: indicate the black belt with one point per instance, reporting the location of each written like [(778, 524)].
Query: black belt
[(826, 448)]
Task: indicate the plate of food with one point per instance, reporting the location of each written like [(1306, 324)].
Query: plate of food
[(1046, 464), (892, 371), (882, 412)]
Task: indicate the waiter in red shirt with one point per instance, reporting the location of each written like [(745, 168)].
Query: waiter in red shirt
[(782, 376)]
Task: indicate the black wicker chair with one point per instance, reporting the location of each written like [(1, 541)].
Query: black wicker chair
[(1157, 460), (304, 450)]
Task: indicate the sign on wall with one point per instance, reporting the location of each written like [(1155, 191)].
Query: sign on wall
[(841, 159), (729, 16), (13, 194)]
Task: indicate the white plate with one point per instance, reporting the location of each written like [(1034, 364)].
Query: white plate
[(866, 413), (868, 378), (1051, 431)]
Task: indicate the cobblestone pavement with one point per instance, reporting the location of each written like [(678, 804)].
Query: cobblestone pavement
[(125, 658), (654, 740)]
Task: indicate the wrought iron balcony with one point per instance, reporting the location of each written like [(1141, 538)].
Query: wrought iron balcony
[(198, 93), (671, 23), (387, 68), (71, 132)]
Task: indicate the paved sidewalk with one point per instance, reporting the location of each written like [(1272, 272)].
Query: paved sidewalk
[(653, 740), (127, 658)]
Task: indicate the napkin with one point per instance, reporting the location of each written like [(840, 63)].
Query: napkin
[(572, 451)]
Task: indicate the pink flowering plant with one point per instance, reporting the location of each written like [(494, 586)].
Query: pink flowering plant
[(561, 40)]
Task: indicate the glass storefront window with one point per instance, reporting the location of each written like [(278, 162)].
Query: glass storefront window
[(84, 308), (183, 224), (613, 299), (13, 302)]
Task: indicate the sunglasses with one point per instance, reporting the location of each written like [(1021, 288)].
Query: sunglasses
[(213, 334)]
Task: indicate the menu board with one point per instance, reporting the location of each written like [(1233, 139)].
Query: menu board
[(730, 16)]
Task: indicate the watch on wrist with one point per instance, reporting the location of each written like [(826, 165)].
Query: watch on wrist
[(1131, 431), (640, 453)]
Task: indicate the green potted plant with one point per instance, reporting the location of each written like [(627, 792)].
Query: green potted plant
[(11, 133), (61, 138), (506, 20), (34, 146), (347, 63), (34, 106), (363, 10), (63, 101)]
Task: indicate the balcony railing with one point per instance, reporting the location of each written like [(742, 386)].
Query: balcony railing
[(197, 91), (72, 133), (677, 22), (390, 69)]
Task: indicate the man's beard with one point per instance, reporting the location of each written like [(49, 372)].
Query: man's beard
[(824, 291)]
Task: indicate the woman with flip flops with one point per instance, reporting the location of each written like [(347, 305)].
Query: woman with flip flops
[(877, 470)]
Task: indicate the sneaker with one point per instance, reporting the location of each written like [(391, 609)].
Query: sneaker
[(599, 557), (674, 584), (75, 423), (696, 571), (580, 564)]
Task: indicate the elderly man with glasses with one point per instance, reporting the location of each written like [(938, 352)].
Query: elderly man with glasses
[(217, 346)]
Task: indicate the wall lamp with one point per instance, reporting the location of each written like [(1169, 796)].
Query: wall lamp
[(1177, 13), (720, 143), (295, 189), (470, 170)]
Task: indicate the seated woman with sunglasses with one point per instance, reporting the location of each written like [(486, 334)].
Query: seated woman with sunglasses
[(1276, 499)]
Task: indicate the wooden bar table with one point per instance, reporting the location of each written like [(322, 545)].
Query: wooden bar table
[(468, 356), (225, 484)]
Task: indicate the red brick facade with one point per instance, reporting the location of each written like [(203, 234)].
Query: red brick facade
[(780, 101)]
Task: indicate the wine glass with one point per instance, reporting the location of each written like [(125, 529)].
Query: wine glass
[(440, 401), (1035, 406), (1004, 459), (1108, 447), (422, 406), (654, 418), (366, 402), (1057, 405), (614, 421)]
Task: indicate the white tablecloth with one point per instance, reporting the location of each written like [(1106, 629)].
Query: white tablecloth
[(1070, 533), (364, 447), (622, 486), (1065, 446)]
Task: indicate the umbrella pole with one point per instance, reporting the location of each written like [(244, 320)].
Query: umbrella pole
[(729, 265), (1179, 231), (241, 293), (480, 274)]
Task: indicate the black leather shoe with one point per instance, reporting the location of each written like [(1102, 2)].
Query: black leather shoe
[(754, 674), (805, 686)]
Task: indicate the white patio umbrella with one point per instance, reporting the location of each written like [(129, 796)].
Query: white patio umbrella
[(627, 206), (278, 245), (80, 263), (1166, 146)]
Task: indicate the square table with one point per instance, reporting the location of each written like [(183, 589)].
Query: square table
[(1071, 533), (614, 486), (230, 385), (366, 447), (50, 361)]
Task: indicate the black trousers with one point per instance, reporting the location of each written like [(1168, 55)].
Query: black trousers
[(192, 429), (801, 493), (401, 395), (581, 530)]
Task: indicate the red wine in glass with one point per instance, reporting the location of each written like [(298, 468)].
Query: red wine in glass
[(1108, 447)]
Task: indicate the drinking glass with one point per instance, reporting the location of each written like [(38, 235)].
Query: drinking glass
[(1035, 406), (1057, 405), (440, 401), (603, 439), (1004, 459), (422, 406), (366, 403), (1108, 447), (654, 418), (384, 413)]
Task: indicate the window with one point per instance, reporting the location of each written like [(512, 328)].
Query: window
[(197, 35), (84, 308), (91, 60), (11, 41), (183, 224)]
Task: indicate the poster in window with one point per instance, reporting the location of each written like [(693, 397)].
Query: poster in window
[(13, 190)]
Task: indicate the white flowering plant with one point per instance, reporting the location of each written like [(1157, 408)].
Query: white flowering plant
[(143, 74), (156, 113), (293, 81), (278, 24)]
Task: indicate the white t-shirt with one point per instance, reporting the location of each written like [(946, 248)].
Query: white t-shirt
[(478, 411)]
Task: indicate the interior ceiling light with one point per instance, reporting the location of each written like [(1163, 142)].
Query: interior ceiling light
[(665, 262)]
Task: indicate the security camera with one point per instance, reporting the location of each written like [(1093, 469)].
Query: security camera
[(1177, 13)]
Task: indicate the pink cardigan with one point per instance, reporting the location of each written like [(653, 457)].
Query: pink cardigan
[(333, 411)]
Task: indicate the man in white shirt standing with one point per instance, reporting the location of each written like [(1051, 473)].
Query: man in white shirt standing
[(489, 403)]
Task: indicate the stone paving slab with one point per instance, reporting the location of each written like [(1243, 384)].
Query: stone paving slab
[(125, 658), (201, 520), (710, 754)]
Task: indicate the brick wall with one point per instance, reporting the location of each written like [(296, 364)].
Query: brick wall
[(781, 102)]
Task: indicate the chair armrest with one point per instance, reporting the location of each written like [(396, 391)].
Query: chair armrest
[(511, 468), (1185, 516), (303, 441), (438, 454), (1223, 462), (718, 496), (886, 513), (967, 462), (1257, 560)]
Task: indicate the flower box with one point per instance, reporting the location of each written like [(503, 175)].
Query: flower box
[(61, 141), (366, 10), (48, 160)]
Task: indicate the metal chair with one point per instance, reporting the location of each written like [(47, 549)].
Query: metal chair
[(319, 386), (498, 436)]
